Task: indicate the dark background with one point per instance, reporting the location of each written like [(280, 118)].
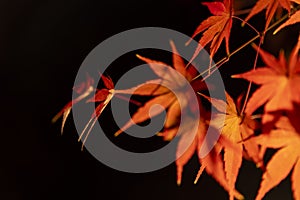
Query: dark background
[(42, 45)]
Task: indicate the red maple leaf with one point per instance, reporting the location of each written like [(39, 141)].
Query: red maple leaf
[(217, 27), (103, 97)]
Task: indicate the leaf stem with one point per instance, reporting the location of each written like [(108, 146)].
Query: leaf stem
[(248, 24), (225, 59), (250, 84)]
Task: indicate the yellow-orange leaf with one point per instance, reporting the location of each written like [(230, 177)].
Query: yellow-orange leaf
[(233, 126)]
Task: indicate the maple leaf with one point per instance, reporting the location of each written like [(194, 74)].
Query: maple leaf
[(216, 27), (237, 127), (279, 82), (286, 139), (271, 6), (84, 89), (295, 18), (212, 162), (162, 95)]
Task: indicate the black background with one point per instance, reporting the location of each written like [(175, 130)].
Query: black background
[(42, 45)]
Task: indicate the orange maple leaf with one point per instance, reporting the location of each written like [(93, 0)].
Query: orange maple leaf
[(217, 27), (237, 127), (279, 82), (286, 139), (272, 6), (162, 95)]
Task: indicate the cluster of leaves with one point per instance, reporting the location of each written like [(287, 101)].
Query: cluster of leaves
[(242, 136)]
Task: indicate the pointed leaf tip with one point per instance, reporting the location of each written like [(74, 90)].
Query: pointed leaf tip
[(199, 174), (243, 24), (171, 42), (236, 76), (276, 31), (188, 42), (215, 8), (142, 58), (55, 118), (295, 18), (254, 45), (118, 133)]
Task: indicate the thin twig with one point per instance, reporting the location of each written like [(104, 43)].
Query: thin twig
[(226, 59), (242, 12), (250, 84)]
